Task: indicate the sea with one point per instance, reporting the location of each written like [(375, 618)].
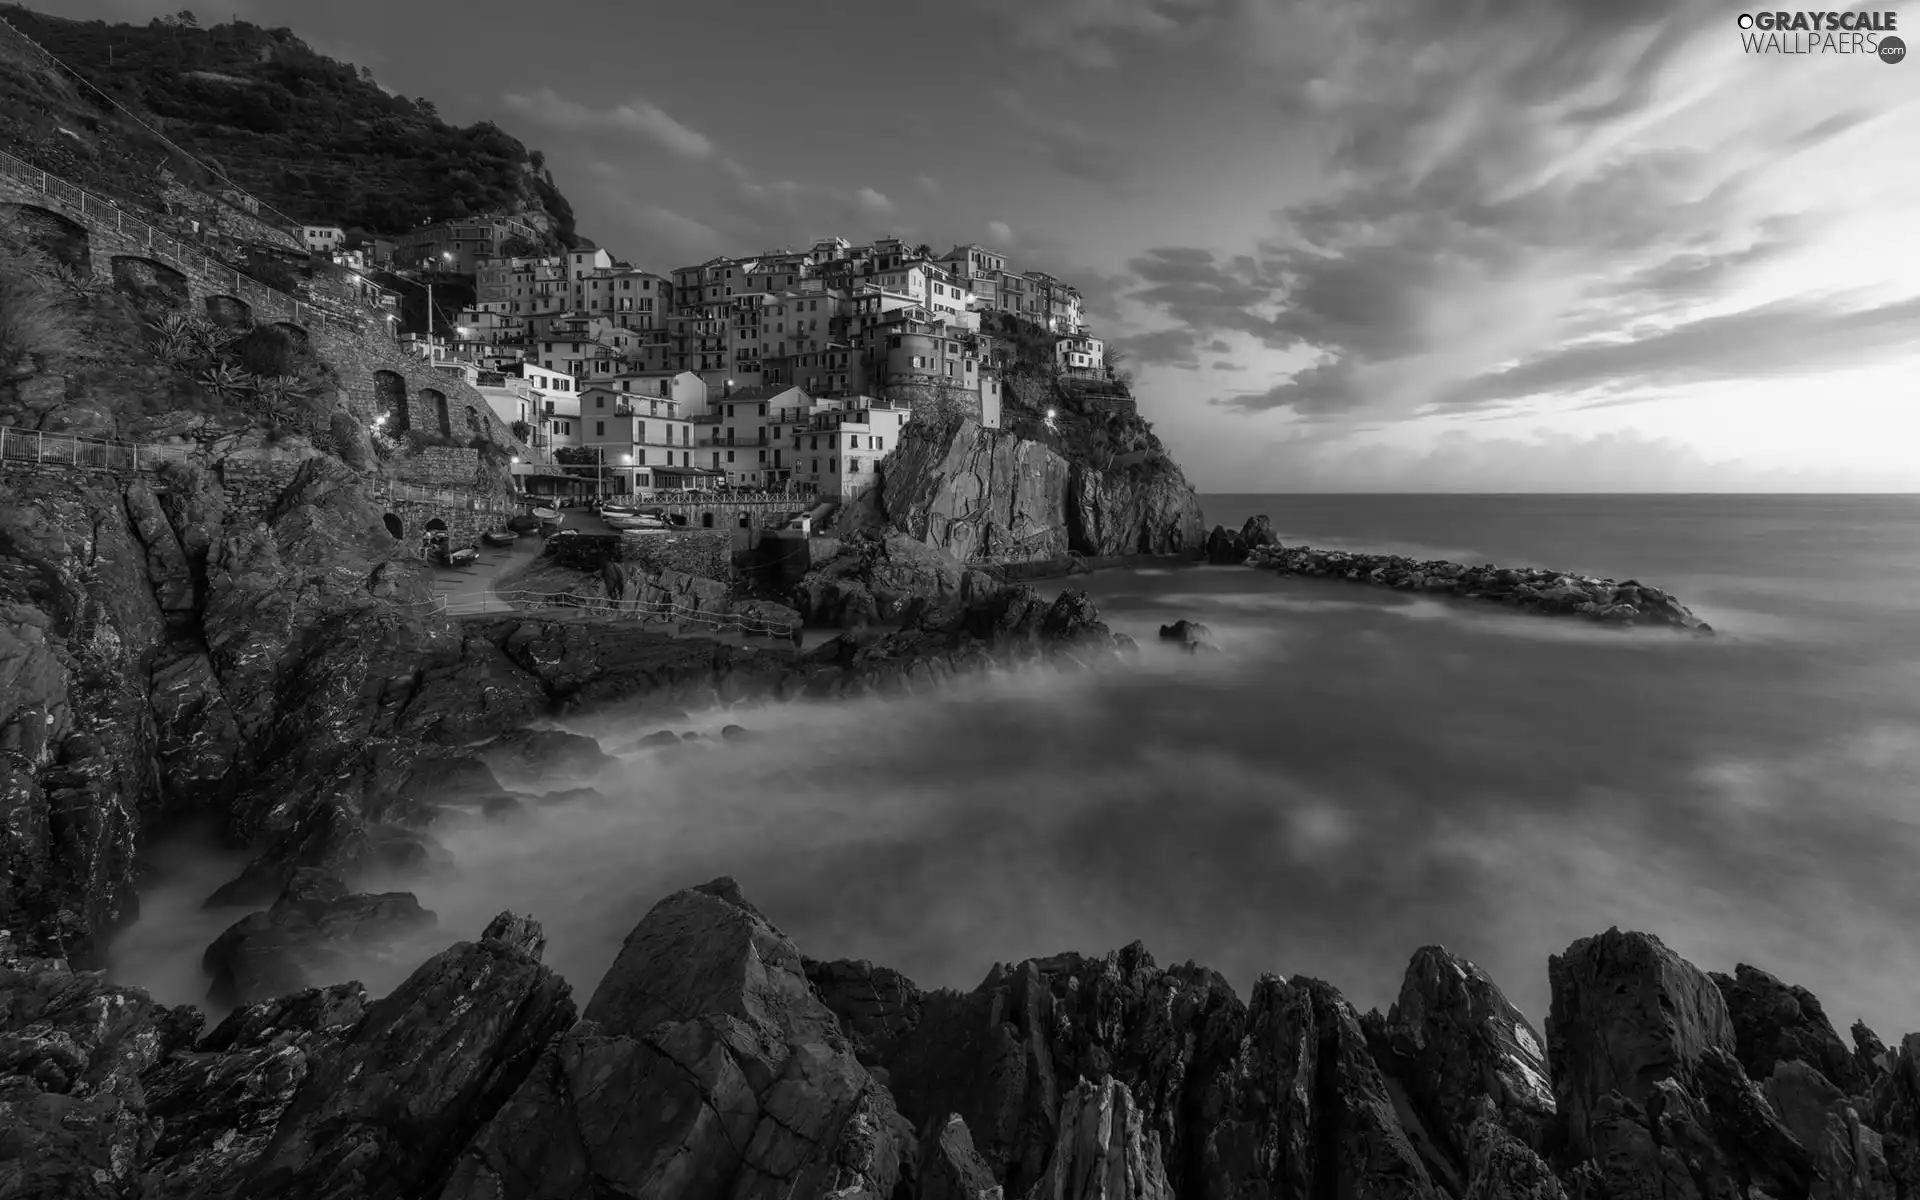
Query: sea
[(1355, 774)]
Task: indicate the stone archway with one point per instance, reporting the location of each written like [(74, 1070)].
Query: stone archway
[(62, 239), (395, 525), (435, 525), (390, 400), (302, 343), (150, 284), (229, 312), (436, 402)]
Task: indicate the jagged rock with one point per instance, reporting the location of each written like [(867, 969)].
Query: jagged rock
[(705, 1066), (426, 1068), (1258, 532), (219, 1103), (1101, 1151), (951, 1170), (1224, 547), (304, 937), (1773, 1022), (1626, 1014), (1500, 1166), (1451, 1041), (1191, 634)]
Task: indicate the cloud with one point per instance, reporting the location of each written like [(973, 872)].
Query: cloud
[(875, 203), (1072, 148), (1621, 461), (1000, 233), (1224, 365), (1088, 33), (639, 118), (1788, 338), (929, 185), (1547, 205), (1173, 347)]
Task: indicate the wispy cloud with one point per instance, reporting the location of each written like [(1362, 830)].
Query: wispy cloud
[(1072, 148), (1092, 33), (637, 118)]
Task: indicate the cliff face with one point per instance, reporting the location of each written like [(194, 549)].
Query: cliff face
[(715, 1060), (992, 494)]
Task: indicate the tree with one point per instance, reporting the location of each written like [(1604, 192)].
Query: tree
[(427, 107), (518, 247), (186, 18), (537, 160)]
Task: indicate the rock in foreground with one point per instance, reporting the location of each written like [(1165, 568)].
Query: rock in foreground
[(714, 1062)]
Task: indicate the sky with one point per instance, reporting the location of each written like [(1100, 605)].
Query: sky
[(1346, 245)]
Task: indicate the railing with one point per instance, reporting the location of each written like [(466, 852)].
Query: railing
[(157, 242), (520, 600), (101, 454)]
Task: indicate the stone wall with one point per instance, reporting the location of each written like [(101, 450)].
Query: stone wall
[(464, 526), (454, 468), (225, 219), (707, 554)]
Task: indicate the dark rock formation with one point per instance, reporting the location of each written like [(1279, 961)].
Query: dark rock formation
[(304, 937), (988, 494), (1190, 634), (1224, 547), (1552, 593), (714, 1061), (874, 577)]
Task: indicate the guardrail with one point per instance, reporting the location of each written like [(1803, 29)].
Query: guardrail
[(162, 244), (521, 600), (42, 448)]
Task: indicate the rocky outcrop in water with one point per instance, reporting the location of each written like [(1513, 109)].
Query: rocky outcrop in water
[(988, 494), (876, 574), (714, 1060), (1528, 589)]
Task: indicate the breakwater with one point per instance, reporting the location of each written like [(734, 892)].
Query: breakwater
[(1527, 589)]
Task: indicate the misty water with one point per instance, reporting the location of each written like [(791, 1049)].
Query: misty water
[(1356, 774)]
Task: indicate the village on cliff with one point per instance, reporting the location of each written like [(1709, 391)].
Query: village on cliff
[(789, 371)]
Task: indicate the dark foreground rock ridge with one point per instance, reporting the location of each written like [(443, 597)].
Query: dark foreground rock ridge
[(1527, 589), (715, 1060)]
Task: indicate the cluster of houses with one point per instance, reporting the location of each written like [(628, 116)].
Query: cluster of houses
[(791, 370)]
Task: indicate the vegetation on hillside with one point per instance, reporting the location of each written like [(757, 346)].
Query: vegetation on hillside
[(317, 139)]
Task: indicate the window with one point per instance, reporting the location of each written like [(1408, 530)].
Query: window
[(833, 466), (599, 429), (599, 401), (853, 466), (729, 456)]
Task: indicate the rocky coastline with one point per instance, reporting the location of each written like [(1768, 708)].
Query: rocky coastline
[(715, 1059), (1620, 603)]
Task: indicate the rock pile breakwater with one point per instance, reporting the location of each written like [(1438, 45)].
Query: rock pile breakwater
[(1528, 589)]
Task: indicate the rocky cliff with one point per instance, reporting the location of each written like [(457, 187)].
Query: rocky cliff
[(715, 1060), (993, 494)]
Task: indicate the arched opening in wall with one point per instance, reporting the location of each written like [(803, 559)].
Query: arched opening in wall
[(229, 312), (150, 284), (394, 525), (62, 239), (390, 401), (706, 520), (435, 525), (302, 343), (744, 521), (436, 402)]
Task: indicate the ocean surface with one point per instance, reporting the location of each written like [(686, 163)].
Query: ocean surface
[(1356, 774)]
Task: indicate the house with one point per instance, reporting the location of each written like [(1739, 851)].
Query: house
[(685, 388), (463, 244), (645, 441), (744, 437), (1081, 353), (837, 454), (323, 239)]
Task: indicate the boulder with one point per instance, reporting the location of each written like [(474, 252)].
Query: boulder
[(386, 1114), (705, 1066), (311, 930), (1773, 1023), (1224, 547), (543, 753)]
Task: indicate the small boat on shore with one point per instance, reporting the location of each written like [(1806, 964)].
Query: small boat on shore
[(633, 520), (546, 514), (499, 537), (524, 524)]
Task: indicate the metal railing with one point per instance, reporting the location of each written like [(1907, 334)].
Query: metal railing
[(160, 243), (42, 448), (522, 600)]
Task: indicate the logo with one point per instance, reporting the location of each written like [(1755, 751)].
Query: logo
[(1864, 33)]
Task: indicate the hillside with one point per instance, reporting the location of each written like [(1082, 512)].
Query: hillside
[(316, 139)]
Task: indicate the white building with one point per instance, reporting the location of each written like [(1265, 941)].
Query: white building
[(837, 454), (323, 239)]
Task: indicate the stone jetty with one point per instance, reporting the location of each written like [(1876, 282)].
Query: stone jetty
[(1528, 589)]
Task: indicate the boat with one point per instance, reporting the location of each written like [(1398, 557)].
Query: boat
[(524, 524), (547, 514), (499, 537), (633, 521), (465, 556)]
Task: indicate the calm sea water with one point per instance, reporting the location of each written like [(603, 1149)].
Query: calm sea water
[(1356, 774)]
